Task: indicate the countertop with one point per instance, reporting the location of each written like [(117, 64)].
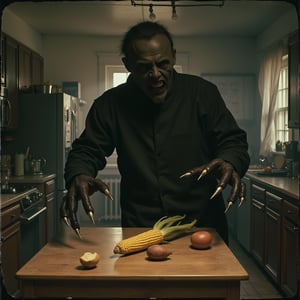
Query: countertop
[(285, 185), (9, 199), (41, 178)]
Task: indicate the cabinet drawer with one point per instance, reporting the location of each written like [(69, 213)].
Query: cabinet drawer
[(273, 202), (258, 193), (291, 212), (10, 215), (49, 186)]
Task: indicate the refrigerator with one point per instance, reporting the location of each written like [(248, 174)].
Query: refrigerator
[(48, 124)]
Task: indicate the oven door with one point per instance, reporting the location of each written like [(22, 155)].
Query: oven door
[(33, 232)]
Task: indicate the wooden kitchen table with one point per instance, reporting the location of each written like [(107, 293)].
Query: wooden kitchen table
[(55, 271)]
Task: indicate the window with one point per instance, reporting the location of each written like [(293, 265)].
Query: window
[(115, 75), (281, 110)]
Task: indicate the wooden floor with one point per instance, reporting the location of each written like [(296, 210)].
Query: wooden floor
[(259, 285)]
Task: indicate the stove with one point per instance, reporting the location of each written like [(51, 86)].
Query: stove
[(32, 218)]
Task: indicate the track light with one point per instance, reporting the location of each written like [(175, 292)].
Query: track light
[(173, 4), (152, 15), (174, 13)]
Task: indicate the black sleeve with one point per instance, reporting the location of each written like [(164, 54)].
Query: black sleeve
[(89, 151)]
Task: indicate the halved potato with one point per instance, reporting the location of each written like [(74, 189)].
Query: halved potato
[(89, 259)]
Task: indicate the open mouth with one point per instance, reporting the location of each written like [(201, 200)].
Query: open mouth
[(157, 87)]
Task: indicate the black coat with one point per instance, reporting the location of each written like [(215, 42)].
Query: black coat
[(156, 143)]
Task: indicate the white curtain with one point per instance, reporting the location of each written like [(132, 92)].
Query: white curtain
[(268, 87)]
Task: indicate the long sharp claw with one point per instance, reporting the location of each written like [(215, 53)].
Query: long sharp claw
[(78, 233), (108, 194), (228, 206), (217, 191), (186, 174), (203, 173), (242, 199), (91, 216), (66, 220)]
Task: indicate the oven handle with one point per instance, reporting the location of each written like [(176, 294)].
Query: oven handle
[(28, 219)]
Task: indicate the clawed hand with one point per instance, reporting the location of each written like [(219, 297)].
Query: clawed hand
[(226, 174), (82, 187)]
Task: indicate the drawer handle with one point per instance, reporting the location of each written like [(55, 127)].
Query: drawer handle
[(12, 216), (290, 212)]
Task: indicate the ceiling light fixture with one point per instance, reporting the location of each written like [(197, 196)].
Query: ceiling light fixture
[(174, 13), (173, 4), (152, 15)]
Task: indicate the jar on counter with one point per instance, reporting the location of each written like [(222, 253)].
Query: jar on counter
[(19, 164)]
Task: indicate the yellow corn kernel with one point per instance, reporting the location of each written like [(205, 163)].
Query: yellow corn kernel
[(139, 242)]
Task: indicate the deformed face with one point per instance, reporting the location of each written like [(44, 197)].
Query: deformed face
[(151, 64)]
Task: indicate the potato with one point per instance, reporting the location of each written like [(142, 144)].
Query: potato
[(158, 252), (89, 259), (201, 239)]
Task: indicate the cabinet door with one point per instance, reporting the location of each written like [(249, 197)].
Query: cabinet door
[(50, 216), (24, 67), (258, 223), (290, 248), (10, 256), (37, 68), (273, 235), (11, 78)]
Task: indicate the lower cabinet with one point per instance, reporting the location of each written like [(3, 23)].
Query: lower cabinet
[(49, 188), (10, 247), (275, 236), (290, 248), (258, 223)]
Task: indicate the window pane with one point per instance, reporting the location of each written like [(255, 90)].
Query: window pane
[(281, 112)]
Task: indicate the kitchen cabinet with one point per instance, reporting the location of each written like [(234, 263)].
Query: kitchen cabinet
[(10, 247), (10, 55), (37, 68), (272, 235), (290, 247), (30, 68), (49, 190), (22, 67), (275, 232), (257, 223)]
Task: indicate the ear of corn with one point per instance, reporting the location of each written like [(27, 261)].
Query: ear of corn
[(163, 229), (139, 242)]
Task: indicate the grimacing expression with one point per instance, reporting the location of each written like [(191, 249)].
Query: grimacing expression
[(151, 65)]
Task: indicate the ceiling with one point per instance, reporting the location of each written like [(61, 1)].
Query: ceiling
[(115, 17)]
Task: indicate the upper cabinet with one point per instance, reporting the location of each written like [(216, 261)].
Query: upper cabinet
[(294, 81), (10, 66), (22, 67)]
